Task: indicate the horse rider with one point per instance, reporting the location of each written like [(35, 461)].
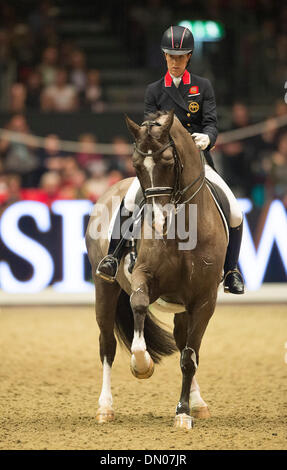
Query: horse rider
[(192, 98)]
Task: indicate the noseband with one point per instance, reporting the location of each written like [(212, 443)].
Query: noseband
[(175, 192)]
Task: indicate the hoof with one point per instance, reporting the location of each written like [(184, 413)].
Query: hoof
[(200, 412), (183, 421), (144, 375), (104, 415)]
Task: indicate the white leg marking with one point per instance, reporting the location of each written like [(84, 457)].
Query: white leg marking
[(140, 357), (195, 398), (106, 399)]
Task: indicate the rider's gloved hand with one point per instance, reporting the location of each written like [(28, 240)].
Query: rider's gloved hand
[(201, 140)]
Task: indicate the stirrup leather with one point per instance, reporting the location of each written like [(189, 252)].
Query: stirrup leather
[(105, 276)]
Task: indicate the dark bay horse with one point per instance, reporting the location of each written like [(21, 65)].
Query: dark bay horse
[(170, 170)]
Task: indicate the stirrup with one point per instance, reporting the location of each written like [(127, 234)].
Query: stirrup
[(226, 289), (105, 276)]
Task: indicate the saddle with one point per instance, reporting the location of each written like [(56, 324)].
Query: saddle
[(221, 202)]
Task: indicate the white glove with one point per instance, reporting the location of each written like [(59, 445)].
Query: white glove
[(201, 140)]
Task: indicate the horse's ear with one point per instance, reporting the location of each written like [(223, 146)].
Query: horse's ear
[(168, 122), (132, 127)]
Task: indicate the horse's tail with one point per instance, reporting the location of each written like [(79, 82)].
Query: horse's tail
[(159, 342)]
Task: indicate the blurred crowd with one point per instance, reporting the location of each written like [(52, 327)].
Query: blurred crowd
[(40, 71), (254, 167), (47, 173)]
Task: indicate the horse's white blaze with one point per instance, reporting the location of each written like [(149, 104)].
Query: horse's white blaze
[(106, 399), (195, 398), (140, 357), (149, 165), (158, 214)]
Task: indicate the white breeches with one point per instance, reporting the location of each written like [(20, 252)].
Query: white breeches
[(235, 211)]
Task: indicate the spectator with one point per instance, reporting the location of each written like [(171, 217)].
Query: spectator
[(60, 97), (114, 177), (78, 74), (129, 169), (122, 155), (98, 183), (51, 156), (14, 186), (48, 66), (73, 188), (20, 157), (66, 49), (34, 90), (94, 93), (88, 155), (50, 184), (18, 95), (3, 190), (95, 187), (237, 155), (278, 170), (24, 49), (260, 165), (70, 166)]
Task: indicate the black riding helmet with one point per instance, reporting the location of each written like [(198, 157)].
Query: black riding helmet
[(177, 40)]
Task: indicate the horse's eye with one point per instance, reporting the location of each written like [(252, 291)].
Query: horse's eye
[(167, 162), (136, 164)]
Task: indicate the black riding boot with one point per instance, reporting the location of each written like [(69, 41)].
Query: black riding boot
[(108, 267), (233, 282)]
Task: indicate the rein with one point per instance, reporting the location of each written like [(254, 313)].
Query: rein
[(175, 192)]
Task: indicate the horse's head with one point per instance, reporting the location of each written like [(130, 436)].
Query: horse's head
[(154, 157)]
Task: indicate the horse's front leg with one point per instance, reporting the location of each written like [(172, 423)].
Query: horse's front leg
[(142, 365), (199, 408), (189, 336), (106, 304)]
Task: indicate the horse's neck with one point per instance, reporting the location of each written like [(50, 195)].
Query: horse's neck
[(188, 154)]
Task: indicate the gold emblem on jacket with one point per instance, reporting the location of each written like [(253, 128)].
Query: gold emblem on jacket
[(193, 106)]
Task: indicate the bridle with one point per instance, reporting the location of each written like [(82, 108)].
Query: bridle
[(175, 192)]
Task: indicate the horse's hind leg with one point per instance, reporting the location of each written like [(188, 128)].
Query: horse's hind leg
[(106, 303)]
